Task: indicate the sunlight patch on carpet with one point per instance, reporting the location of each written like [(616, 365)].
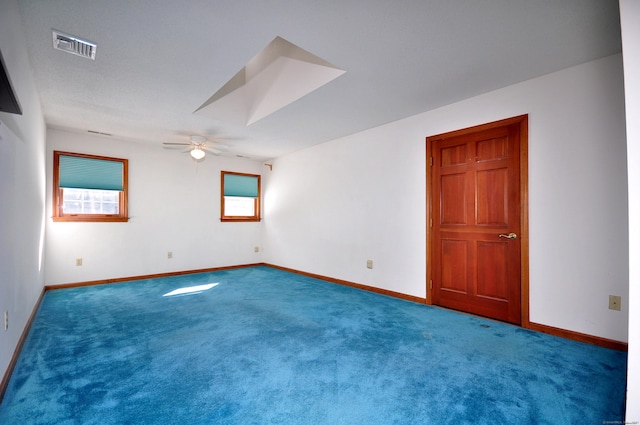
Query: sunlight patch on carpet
[(191, 290)]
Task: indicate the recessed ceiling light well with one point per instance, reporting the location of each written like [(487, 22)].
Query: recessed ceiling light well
[(276, 77)]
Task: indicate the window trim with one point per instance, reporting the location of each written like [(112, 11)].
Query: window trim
[(60, 216), (229, 218)]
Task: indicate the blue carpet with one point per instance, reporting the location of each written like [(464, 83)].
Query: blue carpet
[(265, 346)]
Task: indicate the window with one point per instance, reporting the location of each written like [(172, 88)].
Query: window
[(89, 187), (240, 197)]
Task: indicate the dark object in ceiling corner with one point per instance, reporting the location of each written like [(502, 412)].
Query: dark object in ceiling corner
[(8, 101)]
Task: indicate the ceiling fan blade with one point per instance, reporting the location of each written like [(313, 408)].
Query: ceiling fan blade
[(219, 146), (183, 147), (198, 142), (212, 150)]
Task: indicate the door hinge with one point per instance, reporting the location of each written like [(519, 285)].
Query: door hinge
[(430, 284), (430, 222), (431, 161)]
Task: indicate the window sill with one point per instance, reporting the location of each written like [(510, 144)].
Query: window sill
[(241, 219), (91, 219)]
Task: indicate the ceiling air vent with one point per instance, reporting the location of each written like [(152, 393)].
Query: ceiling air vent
[(74, 45)]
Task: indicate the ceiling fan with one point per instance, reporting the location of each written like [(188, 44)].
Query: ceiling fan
[(197, 145)]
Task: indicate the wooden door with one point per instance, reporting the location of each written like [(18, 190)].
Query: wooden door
[(475, 224)]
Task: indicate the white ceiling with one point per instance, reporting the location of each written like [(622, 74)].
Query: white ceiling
[(157, 61)]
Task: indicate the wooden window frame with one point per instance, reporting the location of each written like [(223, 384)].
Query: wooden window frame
[(60, 216), (257, 201)]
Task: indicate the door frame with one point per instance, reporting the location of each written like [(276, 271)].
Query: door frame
[(523, 234)]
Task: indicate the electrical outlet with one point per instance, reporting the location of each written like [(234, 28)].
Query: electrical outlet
[(614, 302), (169, 254), (369, 264), (78, 261), (256, 249), (6, 320)]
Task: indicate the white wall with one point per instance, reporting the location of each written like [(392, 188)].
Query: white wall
[(174, 206), (22, 139), (331, 207), (630, 16)]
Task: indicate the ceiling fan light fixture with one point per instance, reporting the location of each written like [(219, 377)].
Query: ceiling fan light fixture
[(197, 153), (197, 139)]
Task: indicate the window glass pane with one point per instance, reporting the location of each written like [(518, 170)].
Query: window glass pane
[(109, 208), (88, 201), (72, 207), (237, 206), (72, 195), (110, 196), (94, 195)]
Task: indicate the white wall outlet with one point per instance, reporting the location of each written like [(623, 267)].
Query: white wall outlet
[(78, 261), (169, 254), (6, 320), (614, 302), (369, 264), (256, 249)]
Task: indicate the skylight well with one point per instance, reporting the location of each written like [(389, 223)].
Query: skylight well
[(276, 77)]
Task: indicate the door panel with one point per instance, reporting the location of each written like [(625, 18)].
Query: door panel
[(453, 199), (492, 149), (475, 198), (492, 267), (454, 266), (454, 155), (492, 188)]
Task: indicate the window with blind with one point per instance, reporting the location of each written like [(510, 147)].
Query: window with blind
[(239, 196), (89, 187)]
